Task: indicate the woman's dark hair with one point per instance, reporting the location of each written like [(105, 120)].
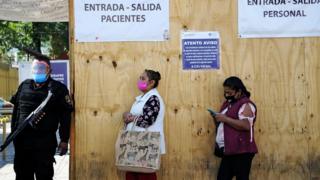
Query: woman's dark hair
[(235, 83), (153, 75)]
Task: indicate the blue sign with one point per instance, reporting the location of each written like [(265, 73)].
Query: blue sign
[(60, 71), (201, 53)]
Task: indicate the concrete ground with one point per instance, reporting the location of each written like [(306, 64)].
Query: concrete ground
[(61, 168)]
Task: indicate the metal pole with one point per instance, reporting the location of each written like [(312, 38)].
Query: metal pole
[(4, 123)]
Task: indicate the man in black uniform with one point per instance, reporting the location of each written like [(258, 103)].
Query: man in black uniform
[(35, 146)]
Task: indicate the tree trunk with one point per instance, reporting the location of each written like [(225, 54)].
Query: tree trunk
[(36, 36)]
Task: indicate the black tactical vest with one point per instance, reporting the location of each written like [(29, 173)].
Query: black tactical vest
[(29, 98)]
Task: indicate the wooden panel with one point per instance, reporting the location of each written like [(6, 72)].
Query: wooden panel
[(8, 81), (13, 81), (3, 82), (282, 74), (312, 78)]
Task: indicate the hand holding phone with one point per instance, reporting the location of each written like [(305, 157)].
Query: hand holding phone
[(212, 113)]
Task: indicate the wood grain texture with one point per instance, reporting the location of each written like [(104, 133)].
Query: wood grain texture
[(283, 76), (312, 78), (8, 81)]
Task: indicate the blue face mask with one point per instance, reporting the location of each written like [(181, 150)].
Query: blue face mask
[(39, 78)]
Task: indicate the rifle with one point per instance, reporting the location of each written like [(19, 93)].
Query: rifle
[(32, 120)]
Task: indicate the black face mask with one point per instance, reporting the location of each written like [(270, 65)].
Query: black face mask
[(230, 99)]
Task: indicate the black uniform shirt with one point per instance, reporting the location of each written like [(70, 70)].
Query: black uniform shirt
[(58, 114)]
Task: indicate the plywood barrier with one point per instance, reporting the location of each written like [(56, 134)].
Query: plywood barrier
[(8, 81), (283, 76)]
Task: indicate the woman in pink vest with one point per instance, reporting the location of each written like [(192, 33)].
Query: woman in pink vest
[(235, 136)]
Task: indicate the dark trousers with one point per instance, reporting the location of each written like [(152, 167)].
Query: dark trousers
[(235, 165), (141, 176), (30, 163)]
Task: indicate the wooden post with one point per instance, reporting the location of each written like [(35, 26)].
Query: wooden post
[(72, 165)]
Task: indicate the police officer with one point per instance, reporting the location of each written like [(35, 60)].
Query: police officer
[(35, 146)]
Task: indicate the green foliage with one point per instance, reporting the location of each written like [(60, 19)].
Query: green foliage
[(33, 35), (59, 39), (13, 35)]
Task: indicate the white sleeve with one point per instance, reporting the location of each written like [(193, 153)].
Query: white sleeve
[(250, 119), (253, 110)]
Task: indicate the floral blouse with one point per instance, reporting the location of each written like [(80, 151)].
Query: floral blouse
[(150, 112)]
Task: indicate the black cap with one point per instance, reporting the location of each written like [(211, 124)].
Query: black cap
[(38, 55)]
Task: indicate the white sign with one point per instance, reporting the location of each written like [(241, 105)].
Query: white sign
[(278, 18), (24, 71), (121, 20), (34, 10)]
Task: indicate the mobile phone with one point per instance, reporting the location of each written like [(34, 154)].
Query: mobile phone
[(213, 113)]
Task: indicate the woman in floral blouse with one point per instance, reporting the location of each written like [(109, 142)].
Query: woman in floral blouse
[(148, 110)]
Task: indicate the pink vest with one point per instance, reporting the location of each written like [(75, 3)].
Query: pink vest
[(236, 141)]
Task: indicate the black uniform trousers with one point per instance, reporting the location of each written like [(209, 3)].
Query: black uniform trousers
[(235, 165), (30, 163)]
